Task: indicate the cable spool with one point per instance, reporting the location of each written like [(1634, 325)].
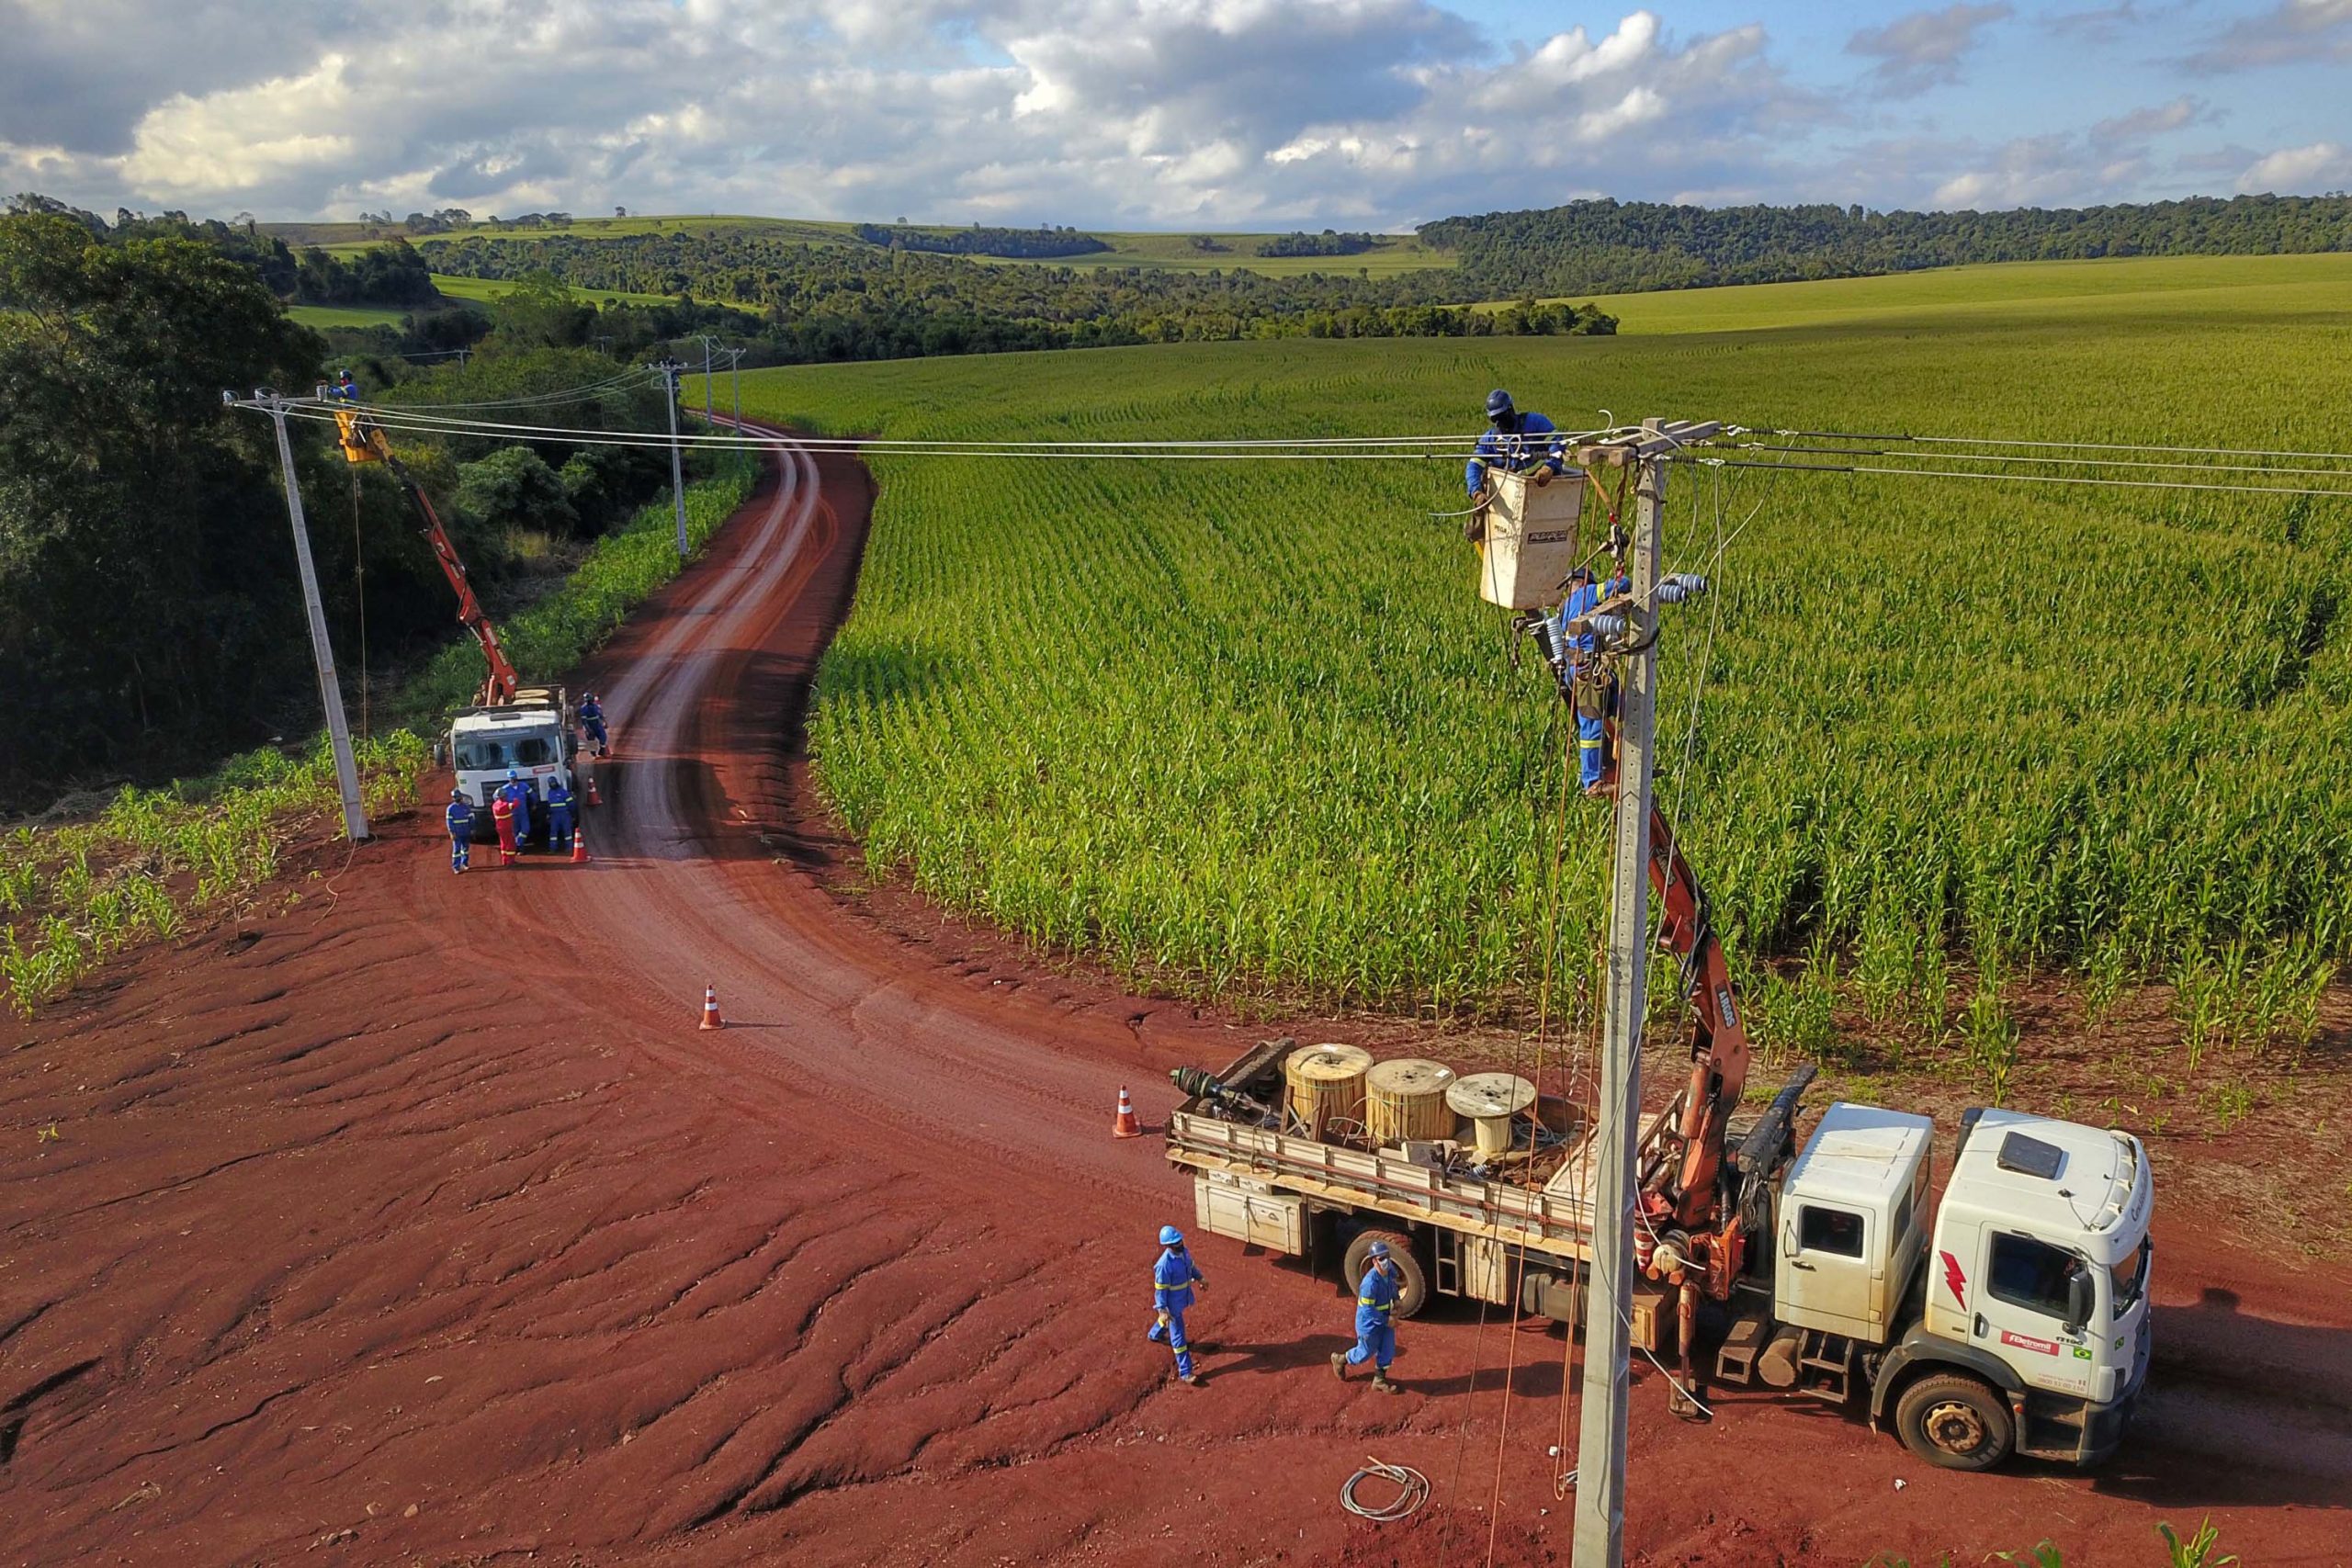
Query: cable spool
[(1406, 1099), (1491, 1100), (1326, 1084)]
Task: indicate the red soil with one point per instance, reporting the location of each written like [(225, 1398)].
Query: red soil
[(419, 1223)]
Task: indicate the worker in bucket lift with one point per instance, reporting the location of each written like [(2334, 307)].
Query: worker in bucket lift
[(461, 830), (1173, 1280), (344, 388), (1595, 693), (1511, 444), (591, 719), (558, 817), (1375, 1321)]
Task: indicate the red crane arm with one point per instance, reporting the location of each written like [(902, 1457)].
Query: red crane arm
[(1683, 1176)]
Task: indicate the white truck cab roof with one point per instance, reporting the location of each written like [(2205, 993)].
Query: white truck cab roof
[(1861, 1153), (2059, 1176)]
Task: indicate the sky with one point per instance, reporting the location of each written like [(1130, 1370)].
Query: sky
[(1162, 114)]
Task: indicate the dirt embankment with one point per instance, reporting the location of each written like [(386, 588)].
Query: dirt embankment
[(419, 1223)]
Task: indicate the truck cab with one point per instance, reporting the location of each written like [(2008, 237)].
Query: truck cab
[(534, 735), (2038, 1279)]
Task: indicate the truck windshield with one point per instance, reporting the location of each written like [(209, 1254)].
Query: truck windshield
[(2131, 1279), (532, 749), (481, 754)]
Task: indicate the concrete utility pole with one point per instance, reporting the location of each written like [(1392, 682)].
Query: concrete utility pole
[(735, 376), (346, 769), (1608, 1290), (708, 344), (668, 370)]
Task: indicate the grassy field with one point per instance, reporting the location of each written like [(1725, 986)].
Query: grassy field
[(2199, 291), (480, 290), (326, 316), (1248, 722), (1172, 251)]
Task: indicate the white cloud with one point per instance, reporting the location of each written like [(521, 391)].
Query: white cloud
[(1924, 49), (2293, 33), (2300, 171)]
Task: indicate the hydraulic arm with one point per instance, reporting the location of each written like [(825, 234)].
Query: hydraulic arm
[(364, 443)]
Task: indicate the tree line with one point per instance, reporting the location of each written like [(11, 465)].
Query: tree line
[(390, 274), (150, 620), (1031, 244), (1616, 247)]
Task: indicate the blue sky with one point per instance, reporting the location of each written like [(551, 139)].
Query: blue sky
[(1164, 113)]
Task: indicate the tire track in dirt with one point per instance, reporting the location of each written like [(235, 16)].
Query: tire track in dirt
[(424, 1215)]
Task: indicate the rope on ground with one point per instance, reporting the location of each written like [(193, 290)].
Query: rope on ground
[(1412, 1491)]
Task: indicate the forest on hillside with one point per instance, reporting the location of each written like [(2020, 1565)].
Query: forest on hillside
[(1624, 247)]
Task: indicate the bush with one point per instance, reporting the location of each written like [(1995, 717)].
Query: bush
[(513, 488)]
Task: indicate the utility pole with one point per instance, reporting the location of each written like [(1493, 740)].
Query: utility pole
[(1608, 1289), (668, 370), (735, 376), (346, 769), (708, 343)]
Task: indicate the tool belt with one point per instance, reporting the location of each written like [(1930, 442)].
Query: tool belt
[(1593, 691)]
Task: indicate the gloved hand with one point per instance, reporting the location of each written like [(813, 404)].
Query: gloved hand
[(1160, 1318), (1199, 1284), (1544, 476)]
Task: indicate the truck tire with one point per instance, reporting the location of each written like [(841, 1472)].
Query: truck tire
[(1413, 1284), (1955, 1422)]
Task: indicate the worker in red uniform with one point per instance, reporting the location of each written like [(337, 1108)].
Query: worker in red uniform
[(501, 817)]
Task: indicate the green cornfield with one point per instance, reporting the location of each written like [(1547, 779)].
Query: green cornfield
[(1247, 723)]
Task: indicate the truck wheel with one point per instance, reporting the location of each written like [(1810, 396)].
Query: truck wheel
[(1954, 1422), (1413, 1286)]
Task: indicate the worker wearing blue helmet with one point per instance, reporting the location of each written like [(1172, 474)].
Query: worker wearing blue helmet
[(1173, 1280), (1375, 1319), (460, 817), (1513, 442), (1595, 693), (517, 794)]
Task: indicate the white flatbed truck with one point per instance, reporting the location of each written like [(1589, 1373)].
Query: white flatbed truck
[(2013, 1320)]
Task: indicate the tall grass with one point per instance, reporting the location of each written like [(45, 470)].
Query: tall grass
[(1249, 722)]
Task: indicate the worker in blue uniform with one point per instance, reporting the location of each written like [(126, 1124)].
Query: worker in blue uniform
[(1375, 1320), (591, 719), (1595, 693), (1513, 443), (517, 794), (1173, 1280), (460, 815), (558, 817)]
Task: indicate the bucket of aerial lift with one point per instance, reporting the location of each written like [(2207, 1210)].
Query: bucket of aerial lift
[(1529, 544), (361, 443)]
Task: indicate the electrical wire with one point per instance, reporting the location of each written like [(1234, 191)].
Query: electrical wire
[(2014, 479), (1412, 1491), (2046, 462)]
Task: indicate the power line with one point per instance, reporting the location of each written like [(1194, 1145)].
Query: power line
[(2070, 445), (2014, 479)]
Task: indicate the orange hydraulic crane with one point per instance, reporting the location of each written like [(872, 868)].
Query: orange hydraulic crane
[(364, 443)]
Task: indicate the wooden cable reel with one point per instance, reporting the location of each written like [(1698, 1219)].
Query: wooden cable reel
[(1326, 1086), (1406, 1099), (1492, 1101)]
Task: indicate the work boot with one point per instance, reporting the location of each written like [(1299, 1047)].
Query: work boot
[(1380, 1380), (1195, 1381), (1340, 1365)]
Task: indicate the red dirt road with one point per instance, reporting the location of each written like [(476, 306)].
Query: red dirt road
[(418, 1223)]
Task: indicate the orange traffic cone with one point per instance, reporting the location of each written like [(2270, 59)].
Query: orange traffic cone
[(579, 846), (710, 1019), (1125, 1126), (593, 799)]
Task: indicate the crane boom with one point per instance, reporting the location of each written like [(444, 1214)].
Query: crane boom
[(364, 443)]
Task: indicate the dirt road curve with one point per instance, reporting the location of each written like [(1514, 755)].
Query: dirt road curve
[(420, 1223)]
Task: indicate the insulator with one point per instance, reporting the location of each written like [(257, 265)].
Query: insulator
[(1681, 586), (1609, 626)]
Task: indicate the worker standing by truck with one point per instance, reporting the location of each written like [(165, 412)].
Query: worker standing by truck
[(1173, 1280), (559, 818), (591, 719), (517, 794), (460, 815), (502, 815), (1375, 1321)]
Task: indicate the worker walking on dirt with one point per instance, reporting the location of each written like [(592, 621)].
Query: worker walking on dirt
[(1173, 1280), (461, 830), (1375, 1321), (1595, 693), (517, 795), (558, 817), (1509, 445), (591, 719)]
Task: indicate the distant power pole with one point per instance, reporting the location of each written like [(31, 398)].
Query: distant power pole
[(735, 376), (668, 370), (346, 769), (1609, 1294), (708, 344)]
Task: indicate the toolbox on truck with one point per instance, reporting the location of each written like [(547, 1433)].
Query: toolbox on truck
[(1230, 1206)]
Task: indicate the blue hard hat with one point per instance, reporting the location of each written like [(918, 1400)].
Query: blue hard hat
[(1499, 404), (513, 774), (1170, 1236), (1377, 1250), (457, 794)]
